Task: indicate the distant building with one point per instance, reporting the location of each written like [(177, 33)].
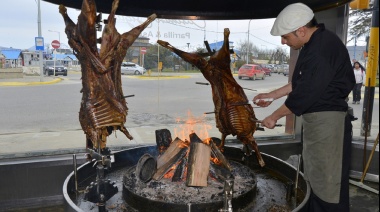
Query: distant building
[(10, 58), (134, 52), (68, 60), (30, 57)]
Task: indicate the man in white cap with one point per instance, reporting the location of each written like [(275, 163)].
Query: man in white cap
[(321, 81)]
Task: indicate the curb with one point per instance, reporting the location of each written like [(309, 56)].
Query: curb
[(30, 83), (158, 77)]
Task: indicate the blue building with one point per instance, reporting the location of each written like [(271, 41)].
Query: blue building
[(10, 58)]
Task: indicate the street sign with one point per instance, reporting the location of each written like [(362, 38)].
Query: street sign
[(39, 42), (55, 44), (143, 50)]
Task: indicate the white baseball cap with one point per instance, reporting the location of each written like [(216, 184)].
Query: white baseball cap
[(291, 18)]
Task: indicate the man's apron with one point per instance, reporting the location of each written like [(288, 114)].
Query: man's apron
[(323, 137)]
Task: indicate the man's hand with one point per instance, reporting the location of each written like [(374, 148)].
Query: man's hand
[(269, 122), (263, 100)]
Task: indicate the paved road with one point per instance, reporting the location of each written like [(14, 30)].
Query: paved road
[(45, 117)]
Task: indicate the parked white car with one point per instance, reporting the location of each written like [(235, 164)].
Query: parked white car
[(132, 68)]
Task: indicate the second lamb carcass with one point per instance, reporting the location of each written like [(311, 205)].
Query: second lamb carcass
[(226, 92), (103, 106)]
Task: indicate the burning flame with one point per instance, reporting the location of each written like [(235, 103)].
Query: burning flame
[(170, 173), (187, 126), (192, 124)]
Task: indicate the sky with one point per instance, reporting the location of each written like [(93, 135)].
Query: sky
[(19, 27)]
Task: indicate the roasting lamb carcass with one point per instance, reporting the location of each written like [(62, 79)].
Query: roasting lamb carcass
[(230, 119), (103, 106)]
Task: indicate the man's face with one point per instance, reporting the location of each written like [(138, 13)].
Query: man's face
[(293, 40)]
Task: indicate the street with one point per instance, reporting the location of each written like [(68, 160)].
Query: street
[(54, 108)]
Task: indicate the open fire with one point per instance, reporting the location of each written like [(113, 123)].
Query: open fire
[(189, 169), (190, 158)]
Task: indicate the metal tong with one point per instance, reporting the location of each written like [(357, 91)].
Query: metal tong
[(242, 104), (276, 125)]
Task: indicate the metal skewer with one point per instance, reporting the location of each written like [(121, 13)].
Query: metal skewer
[(244, 103), (209, 112), (202, 83), (75, 172), (276, 125), (296, 183)]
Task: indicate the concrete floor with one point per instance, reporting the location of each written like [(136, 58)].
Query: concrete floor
[(362, 200)]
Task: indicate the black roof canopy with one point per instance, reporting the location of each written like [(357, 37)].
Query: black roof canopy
[(202, 9)]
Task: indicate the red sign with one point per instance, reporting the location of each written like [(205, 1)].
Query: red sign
[(143, 50), (55, 44)]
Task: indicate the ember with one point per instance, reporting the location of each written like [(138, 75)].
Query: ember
[(172, 161)]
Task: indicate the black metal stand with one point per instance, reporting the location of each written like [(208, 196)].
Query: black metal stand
[(102, 189)]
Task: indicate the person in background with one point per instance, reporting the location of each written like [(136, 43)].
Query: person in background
[(360, 79), (321, 82)]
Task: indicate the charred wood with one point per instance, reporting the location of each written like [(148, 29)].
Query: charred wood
[(220, 173), (163, 139), (194, 138), (145, 168), (219, 155), (176, 151), (180, 170)]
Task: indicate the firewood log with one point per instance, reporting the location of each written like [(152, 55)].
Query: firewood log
[(198, 165), (176, 151)]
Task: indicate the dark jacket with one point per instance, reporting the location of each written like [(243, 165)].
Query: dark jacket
[(323, 75)]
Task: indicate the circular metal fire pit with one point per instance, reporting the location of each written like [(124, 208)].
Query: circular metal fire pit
[(168, 196), (270, 193)]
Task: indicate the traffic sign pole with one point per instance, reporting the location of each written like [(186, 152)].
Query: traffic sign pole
[(55, 44), (143, 51)]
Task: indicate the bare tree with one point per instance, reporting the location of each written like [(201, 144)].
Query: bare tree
[(243, 47), (359, 23)]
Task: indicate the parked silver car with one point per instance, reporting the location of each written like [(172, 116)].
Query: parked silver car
[(132, 68), (286, 72), (282, 68), (52, 67)]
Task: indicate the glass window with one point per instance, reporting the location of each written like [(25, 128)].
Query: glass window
[(40, 116), (162, 90)]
